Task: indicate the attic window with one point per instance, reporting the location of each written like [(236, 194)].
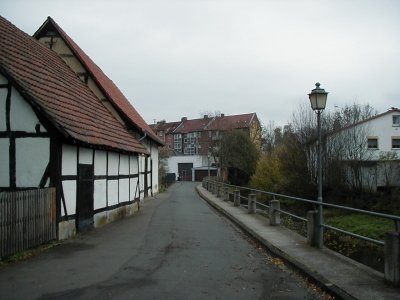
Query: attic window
[(396, 120), (50, 33)]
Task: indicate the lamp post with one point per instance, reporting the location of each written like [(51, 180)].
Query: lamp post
[(318, 98), (208, 159)]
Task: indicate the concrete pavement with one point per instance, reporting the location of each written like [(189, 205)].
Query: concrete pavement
[(339, 275), (175, 247)]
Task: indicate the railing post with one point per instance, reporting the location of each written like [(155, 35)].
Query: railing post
[(219, 189), (274, 214), (312, 230), (236, 198), (392, 258), (214, 188), (252, 204), (226, 193)]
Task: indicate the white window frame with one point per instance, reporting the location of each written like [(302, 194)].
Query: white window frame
[(178, 142), (372, 138), (396, 120), (398, 143)]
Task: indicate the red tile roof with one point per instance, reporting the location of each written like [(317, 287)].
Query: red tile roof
[(222, 123), (232, 122), (193, 125), (165, 127), (43, 78), (110, 90)]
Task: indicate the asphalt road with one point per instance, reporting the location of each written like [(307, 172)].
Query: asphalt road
[(176, 247)]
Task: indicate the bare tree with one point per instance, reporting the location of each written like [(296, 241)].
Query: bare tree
[(346, 148)]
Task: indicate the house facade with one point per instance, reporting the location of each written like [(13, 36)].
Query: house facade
[(52, 35), (55, 131), (190, 144), (371, 149)]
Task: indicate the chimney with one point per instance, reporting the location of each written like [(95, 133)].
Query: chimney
[(205, 117), (222, 115), (183, 119)]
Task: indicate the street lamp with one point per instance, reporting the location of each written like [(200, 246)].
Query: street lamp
[(318, 98), (208, 160)]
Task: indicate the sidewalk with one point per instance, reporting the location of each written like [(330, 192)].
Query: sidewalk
[(341, 276)]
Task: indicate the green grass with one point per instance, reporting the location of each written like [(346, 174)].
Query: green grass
[(365, 225)]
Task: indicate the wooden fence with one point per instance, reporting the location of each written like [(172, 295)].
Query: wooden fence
[(27, 219)]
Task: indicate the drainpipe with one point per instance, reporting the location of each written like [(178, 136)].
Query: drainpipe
[(143, 137)]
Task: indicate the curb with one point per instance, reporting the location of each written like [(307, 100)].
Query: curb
[(321, 281)]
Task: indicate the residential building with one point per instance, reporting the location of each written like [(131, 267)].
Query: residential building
[(371, 149), (52, 35), (190, 144), (70, 131)]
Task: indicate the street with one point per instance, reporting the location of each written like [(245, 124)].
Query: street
[(175, 247)]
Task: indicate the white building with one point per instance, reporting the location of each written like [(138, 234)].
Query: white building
[(374, 144), (57, 130)]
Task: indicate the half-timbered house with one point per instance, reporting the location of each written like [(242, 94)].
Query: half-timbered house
[(52, 35), (57, 130)]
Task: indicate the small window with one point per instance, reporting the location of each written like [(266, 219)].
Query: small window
[(396, 120), (372, 143), (395, 143)]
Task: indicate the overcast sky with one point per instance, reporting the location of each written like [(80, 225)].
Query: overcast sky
[(181, 58)]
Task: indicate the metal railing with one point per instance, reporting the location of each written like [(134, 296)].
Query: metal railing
[(392, 239), (275, 196)]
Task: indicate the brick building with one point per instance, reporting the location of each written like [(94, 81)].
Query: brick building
[(190, 144)]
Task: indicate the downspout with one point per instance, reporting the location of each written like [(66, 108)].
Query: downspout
[(143, 137)]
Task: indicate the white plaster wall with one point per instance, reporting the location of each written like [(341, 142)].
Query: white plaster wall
[(69, 189), (134, 167), (69, 157), (112, 192), (22, 116), (3, 97), (141, 176), (85, 156), (196, 160), (113, 159), (124, 164), (100, 193), (123, 190), (100, 162), (4, 162), (154, 157), (32, 157), (133, 191), (383, 129)]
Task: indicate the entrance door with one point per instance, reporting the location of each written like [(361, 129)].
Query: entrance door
[(185, 171), (84, 200)]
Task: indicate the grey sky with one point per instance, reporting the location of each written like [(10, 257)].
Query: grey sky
[(180, 58)]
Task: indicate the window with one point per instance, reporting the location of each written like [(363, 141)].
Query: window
[(372, 143), (396, 120), (190, 143), (178, 142), (396, 143)]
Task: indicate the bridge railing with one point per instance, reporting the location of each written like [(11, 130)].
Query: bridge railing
[(270, 206)]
